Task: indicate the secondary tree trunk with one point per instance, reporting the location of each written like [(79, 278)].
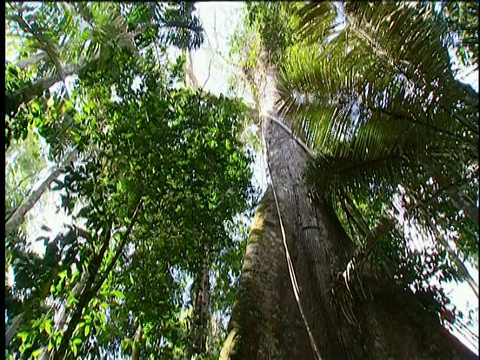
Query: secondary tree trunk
[(136, 343), (27, 93), (18, 216), (376, 321), (201, 309)]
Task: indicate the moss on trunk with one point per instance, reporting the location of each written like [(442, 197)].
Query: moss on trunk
[(265, 322)]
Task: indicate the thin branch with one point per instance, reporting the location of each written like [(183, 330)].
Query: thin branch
[(119, 251), (136, 343), (30, 61), (459, 263), (189, 70), (91, 289), (209, 69), (210, 46)]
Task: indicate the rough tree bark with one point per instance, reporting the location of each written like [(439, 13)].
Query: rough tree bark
[(376, 321), (201, 310)]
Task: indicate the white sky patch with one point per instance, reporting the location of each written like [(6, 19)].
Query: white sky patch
[(219, 19), (461, 294)]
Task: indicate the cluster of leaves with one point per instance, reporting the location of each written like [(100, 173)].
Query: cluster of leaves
[(159, 178), (266, 26), (276, 24), (171, 23), (15, 79), (191, 181), (84, 35), (172, 150), (37, 278)]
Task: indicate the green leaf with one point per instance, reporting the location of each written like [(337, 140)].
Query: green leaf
[(23, 335), (104, 305), (103, 319), (72, 300), (58, 340), (62, 274), (37, 352), (46, 228), (48, 327), (118, 294)]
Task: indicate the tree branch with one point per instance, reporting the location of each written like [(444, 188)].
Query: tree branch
[(90, 289), (189, 70), (119, 250), (17, 217)]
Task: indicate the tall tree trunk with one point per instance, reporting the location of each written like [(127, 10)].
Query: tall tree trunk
[(291, 301), (201, 311), (266, 322), (18, 216)]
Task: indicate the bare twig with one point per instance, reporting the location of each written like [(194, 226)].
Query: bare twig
[(189, 70), (210, 47)]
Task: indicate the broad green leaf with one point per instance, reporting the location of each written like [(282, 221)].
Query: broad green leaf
[(37, 353)]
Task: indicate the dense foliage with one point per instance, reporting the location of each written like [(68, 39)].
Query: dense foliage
[(155, 191)]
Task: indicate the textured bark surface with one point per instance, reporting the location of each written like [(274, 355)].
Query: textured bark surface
[(381, 322), (266, 322), (201, 312)]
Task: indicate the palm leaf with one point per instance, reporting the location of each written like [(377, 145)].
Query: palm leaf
[(371, 101)]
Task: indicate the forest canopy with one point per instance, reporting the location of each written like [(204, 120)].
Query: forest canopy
[(157, 174)]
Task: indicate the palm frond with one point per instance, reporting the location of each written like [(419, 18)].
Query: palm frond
[(348, 169), (375, 55), (318, 21), (178, 25), (411, 34), (372, 87)]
